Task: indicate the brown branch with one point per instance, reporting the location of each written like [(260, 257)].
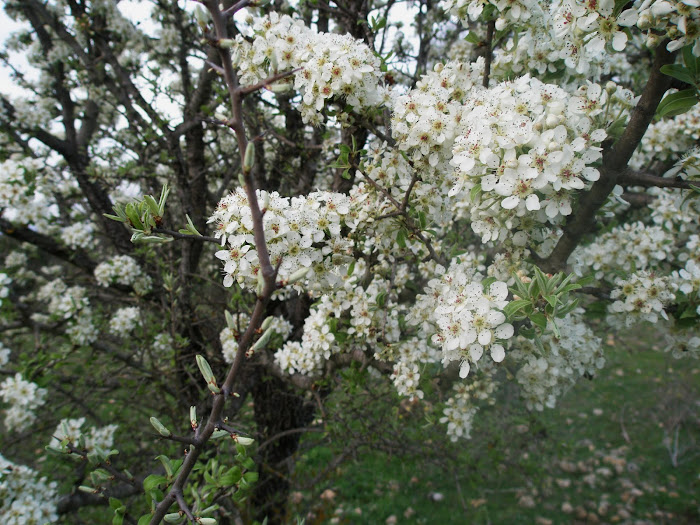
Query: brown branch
[(639, 178), (48, 245), (269, 274), (488, 55)]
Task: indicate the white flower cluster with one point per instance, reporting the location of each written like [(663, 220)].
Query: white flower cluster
[(509, 11), (640, 298), (316, 347), (461, 407), (71, 431), (26, 498), (425, 120), (675, 211), (302, 234), (162, 344), (572, 31), (688, 281), (71, 304), (124, 270), (64, 301), (229, 337), (24, 397), (610, 252), (683, 344), (666, 139), (332, 65), (355, 314), (21, 198), (677, 20), (523, 148), (78, 235), (546, 376), (4, 355), (406, 378), (125, 320), (5, 282), (468, 318)]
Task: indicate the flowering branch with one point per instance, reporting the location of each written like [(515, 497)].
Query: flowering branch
[(268, 272), (615, 161)]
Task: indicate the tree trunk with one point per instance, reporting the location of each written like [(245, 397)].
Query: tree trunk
[(277, 409)]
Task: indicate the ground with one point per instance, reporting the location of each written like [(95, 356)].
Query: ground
[(622, 448)]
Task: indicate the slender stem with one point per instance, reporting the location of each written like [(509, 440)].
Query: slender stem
[(638, 178), (488, 55), (269, 273), (186, 236)]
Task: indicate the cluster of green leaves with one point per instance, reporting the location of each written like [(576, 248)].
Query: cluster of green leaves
[(217, 481), (347, 160), (689, 73), (541, 301), (146, 215)]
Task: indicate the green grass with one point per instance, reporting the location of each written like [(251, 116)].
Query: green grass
[(600, 456)]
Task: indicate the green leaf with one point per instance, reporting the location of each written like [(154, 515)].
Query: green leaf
[(401, 237), (552, 300), (472, 38), (152, 482), (145, 519), (251, 477), (689, 312), (691, 61), (555, 329), (475, 192), (422, 219), (541, 281), (515, 306), (231, 477), (680, 72), (118, 519), (539, 320), (677, 103)]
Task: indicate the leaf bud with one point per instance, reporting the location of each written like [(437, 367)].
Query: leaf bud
[(193, 417), (245, 441), (298, 275), (249, 157), (266, 323), (205, 369), (162, 430)]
